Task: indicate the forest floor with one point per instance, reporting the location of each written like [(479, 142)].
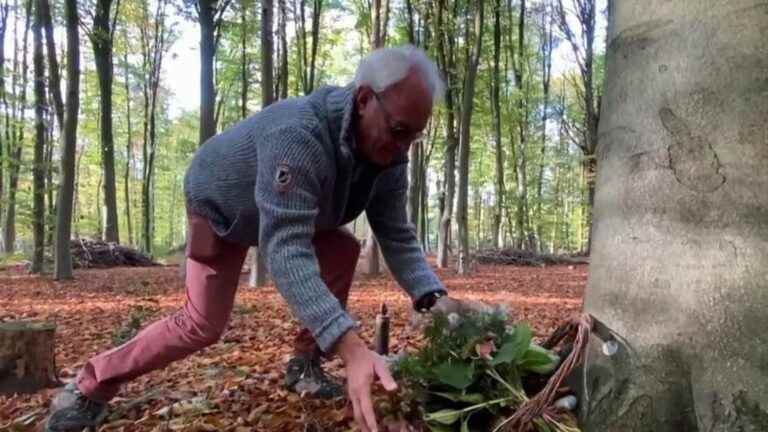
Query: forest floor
[(235, 385)]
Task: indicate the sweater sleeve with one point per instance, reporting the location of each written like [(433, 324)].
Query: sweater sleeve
[(289, 181), (397, 236)]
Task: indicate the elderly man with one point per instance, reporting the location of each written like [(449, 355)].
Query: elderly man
[(287, 179)]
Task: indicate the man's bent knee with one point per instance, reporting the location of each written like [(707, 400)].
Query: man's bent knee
[(199, 332)]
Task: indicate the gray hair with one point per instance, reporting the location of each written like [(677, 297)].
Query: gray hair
[(386, 66)]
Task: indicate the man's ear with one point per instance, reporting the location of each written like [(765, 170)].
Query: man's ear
[(363, 97)]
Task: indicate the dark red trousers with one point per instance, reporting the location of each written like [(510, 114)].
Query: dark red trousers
[(212, 274)]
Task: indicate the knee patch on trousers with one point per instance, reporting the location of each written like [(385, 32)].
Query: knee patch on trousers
[(202, 334)]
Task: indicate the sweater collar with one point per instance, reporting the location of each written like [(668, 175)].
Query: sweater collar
[(339, 105)]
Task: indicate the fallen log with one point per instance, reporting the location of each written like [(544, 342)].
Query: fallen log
[(27, 356)]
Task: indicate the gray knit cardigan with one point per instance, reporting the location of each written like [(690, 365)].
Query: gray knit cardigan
[(278, 176)]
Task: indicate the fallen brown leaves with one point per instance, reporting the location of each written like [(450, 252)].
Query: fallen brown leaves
[(235, 385)]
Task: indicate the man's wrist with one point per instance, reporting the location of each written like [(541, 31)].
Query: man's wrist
[(347, 344)]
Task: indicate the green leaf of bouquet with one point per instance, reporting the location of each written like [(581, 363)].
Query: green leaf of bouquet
[(457, 375), (444, 416), (439, 428), (473, 398), (539, 360), (465, 424), (514, 345)]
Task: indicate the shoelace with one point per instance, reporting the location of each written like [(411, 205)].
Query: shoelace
[(314, 371), (82, 401)]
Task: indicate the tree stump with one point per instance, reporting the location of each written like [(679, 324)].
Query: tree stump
[(27, 356)]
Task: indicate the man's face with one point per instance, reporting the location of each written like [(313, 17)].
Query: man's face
[(390, 121)]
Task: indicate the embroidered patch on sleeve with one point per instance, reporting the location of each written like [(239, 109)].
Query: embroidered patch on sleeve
[(284, 179)]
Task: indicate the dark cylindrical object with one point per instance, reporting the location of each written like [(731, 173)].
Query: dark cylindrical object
[(381, 338)]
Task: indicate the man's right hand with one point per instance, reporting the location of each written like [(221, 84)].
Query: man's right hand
[(363, 366)]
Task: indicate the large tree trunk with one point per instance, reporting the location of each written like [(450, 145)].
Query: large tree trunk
[(38, 168), (207, 9), (101, 39), (466, 122), (681, 220), (63, 260), (27, 357), (258, 265)]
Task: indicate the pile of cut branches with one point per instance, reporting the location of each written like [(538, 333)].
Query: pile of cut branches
[(521, 257), (474, 374), (100, 254)]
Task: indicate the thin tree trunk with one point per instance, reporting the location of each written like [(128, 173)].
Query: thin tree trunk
[(17, 130), (54, 78), (49, 185), (496, 109), (258, 265), (409, 22), (385, 23), (128, 145), (63, 260), (376, 39), (102, 41), (283, 23), (3, 139), (244, 81), (466, 121), (207, 9), (547, 41), (153, 58), (38, 168), (372, 245), (317, 11), (582, 47), (447, 63), (415, 152)]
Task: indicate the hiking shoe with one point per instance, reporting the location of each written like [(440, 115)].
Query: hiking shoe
[(305, 376), (72, 411)]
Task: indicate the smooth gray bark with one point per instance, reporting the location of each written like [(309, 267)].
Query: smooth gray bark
[(680, 254), (63, 260)]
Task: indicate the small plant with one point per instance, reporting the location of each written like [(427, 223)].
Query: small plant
[(469, 375), (131, 326)]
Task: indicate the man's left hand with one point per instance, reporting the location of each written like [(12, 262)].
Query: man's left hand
[(449, 305)]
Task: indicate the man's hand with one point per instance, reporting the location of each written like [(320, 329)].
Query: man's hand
[(449, 305), (363, 366), (454, 309)]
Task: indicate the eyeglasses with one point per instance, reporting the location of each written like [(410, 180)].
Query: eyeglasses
[(401, 134)]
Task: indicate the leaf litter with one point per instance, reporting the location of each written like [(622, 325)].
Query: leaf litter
[(236, 384)]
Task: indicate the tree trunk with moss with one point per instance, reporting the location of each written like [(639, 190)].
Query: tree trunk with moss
[(681, 220)]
